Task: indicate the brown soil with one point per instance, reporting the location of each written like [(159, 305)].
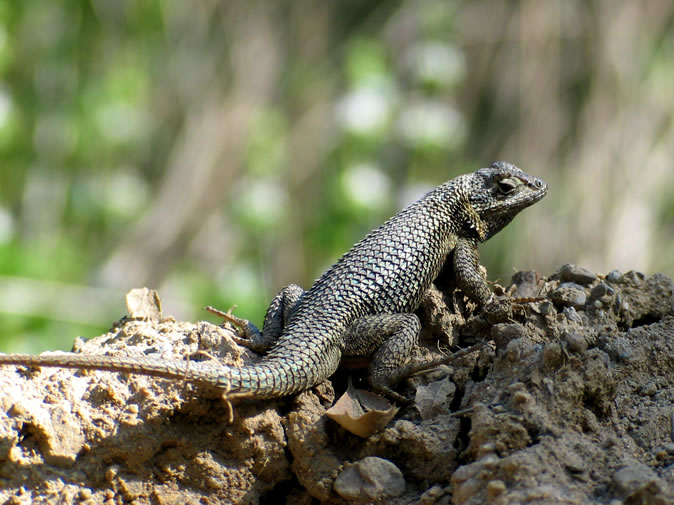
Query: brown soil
[(571, 402)]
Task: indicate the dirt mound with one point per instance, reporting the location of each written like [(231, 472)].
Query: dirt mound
[(571, 402)]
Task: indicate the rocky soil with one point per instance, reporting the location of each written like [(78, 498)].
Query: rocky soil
[(570, 400)]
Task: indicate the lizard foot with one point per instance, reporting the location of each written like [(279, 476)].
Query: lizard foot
[(392, 395), (248, 334), (238, 322), (415, 368)]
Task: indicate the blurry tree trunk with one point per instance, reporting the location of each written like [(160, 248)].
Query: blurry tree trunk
[(567, 90), (207, 156)]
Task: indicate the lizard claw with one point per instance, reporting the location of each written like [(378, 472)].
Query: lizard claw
[(248, 334), (524, 300), (392, 395), (239, 323), (227, 316)]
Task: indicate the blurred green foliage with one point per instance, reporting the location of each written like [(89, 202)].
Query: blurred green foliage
[(217, 151)]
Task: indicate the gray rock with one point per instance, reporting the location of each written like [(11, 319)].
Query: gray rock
[(514, 349), (635, 278), (546, 308), (573, 273), (572, 316), (527, 284), (614, 276), (370, 479), (552, 355), (601, 289), (575, 342), (637, 483), (649, 389), (618, 348), (569, 294), (503, 333)]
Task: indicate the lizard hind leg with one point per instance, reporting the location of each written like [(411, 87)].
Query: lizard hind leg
[(390, 340), (280, 310)]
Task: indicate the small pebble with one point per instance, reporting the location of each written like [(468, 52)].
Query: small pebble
[(601, 289), (618, 348), (576, 342), (372, 479), (636, 278), (545, 308), (486, 449), (514, 350), (432, 495), (527, 284), (617, 303), (614, 276), (552, 355), (495, 488), (521, 398), (577, 274), (503, 333), (636, 483), (85, 493), (649, 389), (569, 294), (111, 472), (214, 482), (664, 452), (572, 316)]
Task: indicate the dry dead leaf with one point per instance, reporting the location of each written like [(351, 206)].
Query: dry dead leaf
[(361, 412), (434, 398)]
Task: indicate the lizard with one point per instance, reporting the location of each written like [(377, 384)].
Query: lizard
[(362, 306)]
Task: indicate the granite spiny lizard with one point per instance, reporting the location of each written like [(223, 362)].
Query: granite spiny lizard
[(363, 305)]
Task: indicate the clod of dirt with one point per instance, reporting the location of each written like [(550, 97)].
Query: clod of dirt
[(88, 437), (639, 484), (570, 403)]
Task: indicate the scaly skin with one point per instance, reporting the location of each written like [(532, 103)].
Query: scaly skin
[(363, 305)]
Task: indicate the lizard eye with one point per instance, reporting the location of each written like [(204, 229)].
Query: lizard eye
[(506, 186)]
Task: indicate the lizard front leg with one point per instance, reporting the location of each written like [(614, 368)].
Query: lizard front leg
[(467, 272)]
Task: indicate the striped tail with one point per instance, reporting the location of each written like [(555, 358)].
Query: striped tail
[(267, 379), (193, 371)]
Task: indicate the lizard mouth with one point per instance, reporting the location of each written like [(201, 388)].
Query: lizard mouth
[(532, 192)]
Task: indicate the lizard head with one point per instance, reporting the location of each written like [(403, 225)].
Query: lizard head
[(498, 193)]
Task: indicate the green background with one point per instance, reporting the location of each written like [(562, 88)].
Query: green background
[(217, 151)]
